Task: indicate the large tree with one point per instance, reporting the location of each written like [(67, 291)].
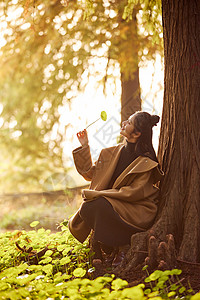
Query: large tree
[(179, 146), (46, 62)]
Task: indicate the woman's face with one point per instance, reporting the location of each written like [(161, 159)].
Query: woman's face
[(128, 127)]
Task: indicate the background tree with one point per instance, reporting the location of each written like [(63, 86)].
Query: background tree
[(48, 59)]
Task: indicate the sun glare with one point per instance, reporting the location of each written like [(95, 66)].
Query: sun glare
[(87, 107)]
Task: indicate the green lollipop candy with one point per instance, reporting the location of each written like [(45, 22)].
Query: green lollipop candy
[(103, 117)]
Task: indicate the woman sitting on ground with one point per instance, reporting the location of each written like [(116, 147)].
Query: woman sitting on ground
[(122, 198)]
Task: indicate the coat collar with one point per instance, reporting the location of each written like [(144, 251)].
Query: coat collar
[(139, 165)]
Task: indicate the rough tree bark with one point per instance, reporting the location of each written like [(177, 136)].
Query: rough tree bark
[(179, 145), (179, 148)]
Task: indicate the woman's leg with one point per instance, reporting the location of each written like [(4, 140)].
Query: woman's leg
[(108, 227)]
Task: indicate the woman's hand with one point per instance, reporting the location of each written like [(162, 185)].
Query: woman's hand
[(83, 137)]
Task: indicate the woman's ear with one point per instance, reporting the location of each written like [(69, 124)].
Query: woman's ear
[(136, 134)]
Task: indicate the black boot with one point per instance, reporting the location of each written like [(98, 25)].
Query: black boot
[(95, 246), (122, 250)]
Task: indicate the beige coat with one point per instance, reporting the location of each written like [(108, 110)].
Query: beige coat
[(133, 194)]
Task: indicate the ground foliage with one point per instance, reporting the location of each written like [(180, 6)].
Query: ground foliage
[(40, 264), (51, 51)]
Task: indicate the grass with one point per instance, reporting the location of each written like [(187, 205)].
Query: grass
[(18, 214)]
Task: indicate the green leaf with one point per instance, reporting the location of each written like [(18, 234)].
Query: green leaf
[(174, 287), (154, 295), (103, 115), (182, 290), (64, 223), (48, 269), (65, 260), (34, 223), (66, 250), (45, 260), (48, 253), (176, 272), (4, 286), (155, 275), (195, 297), (61, 247), (164, 278), (171, 294), (79, 272), (145, 267), (141, 285), (160, 284), (118, 284), (147, 279), (134, 292), (147, 291)]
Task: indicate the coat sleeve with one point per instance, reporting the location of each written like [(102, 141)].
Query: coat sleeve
[(83, 162), (140, 188)]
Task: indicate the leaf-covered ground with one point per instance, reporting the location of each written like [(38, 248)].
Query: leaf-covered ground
[(38, 264)]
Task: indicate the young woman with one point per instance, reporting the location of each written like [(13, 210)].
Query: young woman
[(122, 198)]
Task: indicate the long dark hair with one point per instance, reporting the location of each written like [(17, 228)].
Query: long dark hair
[(143, 123)]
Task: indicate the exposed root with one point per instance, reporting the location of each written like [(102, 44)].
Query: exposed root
[(159, 255)]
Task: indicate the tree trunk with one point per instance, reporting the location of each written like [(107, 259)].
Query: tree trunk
[(179, 147), (130, 99), (128, 59)]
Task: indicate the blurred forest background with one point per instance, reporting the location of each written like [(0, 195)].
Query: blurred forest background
[(62, 62)]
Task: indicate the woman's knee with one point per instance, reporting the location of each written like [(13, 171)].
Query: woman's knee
[(89, 209), (84, 211)]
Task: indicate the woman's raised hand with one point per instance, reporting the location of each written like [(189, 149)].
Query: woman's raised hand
[(83, 137)]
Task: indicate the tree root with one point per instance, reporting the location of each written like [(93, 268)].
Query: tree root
[(148, 250), (145, 249)]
